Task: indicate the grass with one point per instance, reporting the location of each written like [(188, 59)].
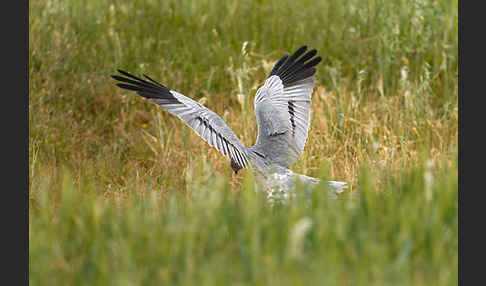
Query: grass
[(123, 193), (214, 237)]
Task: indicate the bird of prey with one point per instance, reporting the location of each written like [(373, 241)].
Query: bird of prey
[(282, 110)]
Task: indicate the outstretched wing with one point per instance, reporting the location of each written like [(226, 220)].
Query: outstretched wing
[(282, 107), (207, 124)]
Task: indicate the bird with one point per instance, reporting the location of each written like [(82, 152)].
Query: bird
[(282, 110)]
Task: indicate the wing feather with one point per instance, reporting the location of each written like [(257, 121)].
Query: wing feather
[(282, 107), (207, 124)]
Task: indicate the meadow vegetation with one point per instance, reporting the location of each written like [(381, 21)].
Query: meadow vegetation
[(122, 193)]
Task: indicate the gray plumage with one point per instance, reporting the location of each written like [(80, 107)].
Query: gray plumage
[(282, 110)]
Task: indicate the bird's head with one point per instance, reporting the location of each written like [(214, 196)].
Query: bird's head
[(235, 166)]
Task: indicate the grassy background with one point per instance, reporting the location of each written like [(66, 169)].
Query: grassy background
[(123, 193)]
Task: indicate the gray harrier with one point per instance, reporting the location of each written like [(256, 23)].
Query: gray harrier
[(282, 110)]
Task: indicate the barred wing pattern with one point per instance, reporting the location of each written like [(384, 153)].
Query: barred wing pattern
[(282, 107), (207, 124)]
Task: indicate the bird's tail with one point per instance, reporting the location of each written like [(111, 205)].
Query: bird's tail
[(336, 187)]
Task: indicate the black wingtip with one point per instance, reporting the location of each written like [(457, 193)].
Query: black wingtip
[(301, 50), (278, 64), (298, 66), (142, 87)]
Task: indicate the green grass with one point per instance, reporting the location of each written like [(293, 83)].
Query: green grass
[(123, 193), (405, 235)]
